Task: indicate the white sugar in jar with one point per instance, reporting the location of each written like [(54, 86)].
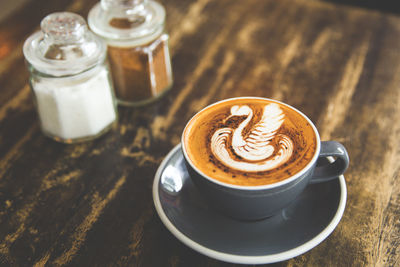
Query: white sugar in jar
[(70, 79), (79, 107)]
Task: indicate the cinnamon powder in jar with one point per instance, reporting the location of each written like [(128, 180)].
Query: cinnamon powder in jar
[(137, 48), (140, 73)]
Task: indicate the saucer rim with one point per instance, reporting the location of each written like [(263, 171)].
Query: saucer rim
[(234, 258)]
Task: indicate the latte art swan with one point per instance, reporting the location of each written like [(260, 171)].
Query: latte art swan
[(256, 147)]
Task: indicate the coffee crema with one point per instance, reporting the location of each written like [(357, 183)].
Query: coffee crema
[(249, 141)]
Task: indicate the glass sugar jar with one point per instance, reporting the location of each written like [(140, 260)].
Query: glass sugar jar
[(137, 48), (70, 79)]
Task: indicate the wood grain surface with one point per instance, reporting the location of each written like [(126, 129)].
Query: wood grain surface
[(90, 204)]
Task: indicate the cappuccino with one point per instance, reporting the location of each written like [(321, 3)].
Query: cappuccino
[(249, 141)]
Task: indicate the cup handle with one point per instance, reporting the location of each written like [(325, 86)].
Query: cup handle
[(334, 169)]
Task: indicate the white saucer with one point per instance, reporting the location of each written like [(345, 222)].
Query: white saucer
[(299, 228)]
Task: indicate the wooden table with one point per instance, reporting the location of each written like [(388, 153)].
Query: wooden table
[(90, 204)]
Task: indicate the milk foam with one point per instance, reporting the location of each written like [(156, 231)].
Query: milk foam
[(249, 141), (255, 147)]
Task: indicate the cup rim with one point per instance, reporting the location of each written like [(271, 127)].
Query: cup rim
[(254, 187)]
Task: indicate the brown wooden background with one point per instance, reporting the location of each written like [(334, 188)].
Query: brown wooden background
[(90, 204)]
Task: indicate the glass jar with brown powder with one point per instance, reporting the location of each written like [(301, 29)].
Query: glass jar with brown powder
[(137, 48)]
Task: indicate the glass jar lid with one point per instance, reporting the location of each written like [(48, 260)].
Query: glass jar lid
[(127, 21), (64, 46)]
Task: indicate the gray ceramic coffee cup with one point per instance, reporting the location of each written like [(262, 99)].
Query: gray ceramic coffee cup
[(258, 202)]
